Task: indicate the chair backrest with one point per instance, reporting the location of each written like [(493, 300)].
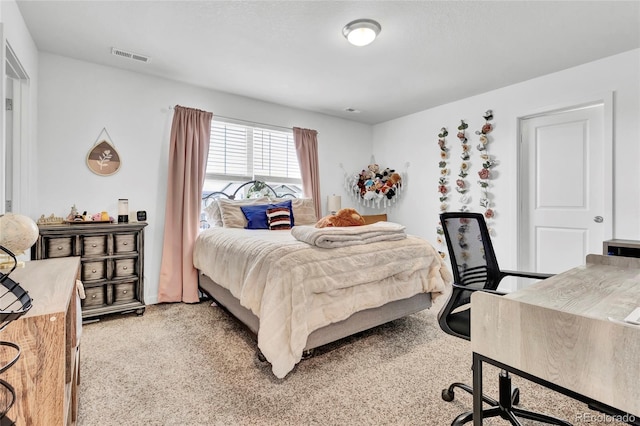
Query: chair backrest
[(473, 263)]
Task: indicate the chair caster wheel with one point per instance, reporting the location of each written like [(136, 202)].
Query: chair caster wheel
[(515, 397), (447, 395)]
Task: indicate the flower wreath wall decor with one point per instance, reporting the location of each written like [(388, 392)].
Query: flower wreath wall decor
[(374, 186), (487, 164), (443, 185), (462, 186), (461, 183)]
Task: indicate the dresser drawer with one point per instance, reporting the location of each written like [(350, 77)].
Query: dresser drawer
[(94, 270), (94, 297), (111, 263), (94, 245), (124, 243), (124, 268), (59, 247), (124, 292)]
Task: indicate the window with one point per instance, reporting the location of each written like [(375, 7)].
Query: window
[(239, 153)]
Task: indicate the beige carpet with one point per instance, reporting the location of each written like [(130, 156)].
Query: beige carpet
[(184, 364)]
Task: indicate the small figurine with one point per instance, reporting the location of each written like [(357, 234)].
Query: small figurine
[(73, 214)]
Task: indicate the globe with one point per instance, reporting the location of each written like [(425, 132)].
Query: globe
[(17, 232)]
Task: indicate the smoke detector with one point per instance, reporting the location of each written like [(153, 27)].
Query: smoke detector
[(129, 55)]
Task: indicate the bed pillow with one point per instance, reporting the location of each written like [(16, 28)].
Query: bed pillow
[(256, 215), (279, 218), (214, 216), (303, 209), (232, 216)]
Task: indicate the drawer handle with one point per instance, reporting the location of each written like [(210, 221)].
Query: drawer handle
[(93, 296), (124, 292), (93, 271), (59, 247), (125, 243), (124, 268), (94, 245)]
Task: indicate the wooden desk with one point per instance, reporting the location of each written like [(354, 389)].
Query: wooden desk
[(45, 377), (557, 333)]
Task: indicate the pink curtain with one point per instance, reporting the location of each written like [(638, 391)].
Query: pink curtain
[(190, 134), (306, 141)]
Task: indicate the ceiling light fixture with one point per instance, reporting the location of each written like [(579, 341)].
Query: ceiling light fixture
[(361, 31)]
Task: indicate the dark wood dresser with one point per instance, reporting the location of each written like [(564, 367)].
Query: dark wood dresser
[(112, 262)]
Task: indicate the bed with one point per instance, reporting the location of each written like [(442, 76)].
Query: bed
[(294, 294)]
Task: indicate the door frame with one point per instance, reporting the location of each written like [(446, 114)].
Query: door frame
[(606, 99), (20, 152)]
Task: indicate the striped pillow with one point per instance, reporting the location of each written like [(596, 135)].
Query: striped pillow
[(279, 218)]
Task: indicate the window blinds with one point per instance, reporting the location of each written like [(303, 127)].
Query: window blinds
[(243, 152)]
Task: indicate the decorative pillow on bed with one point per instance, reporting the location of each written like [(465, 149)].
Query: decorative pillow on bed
[(257, 215), (303, 209), (232, 216), (279, 218)]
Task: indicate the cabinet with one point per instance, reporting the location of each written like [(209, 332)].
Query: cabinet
[(112, 262), (45, 377), (627, 248)]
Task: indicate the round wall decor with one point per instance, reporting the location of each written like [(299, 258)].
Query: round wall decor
[(103, 159)]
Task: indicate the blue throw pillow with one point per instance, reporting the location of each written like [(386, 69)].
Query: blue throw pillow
[(257, 214)]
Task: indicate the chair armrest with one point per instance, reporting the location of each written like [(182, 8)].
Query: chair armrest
[(484, 290), (535, 275)]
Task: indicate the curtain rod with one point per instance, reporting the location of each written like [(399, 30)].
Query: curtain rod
[(255, 123)]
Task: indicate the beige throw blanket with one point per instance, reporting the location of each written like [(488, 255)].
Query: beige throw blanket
[(332, 237), (295, 288)]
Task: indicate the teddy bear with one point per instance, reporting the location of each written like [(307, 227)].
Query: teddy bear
[(343, 217), (392, 182), (394, 179), (373, 170)]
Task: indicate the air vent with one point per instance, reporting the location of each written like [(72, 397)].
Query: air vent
[(129, 55)]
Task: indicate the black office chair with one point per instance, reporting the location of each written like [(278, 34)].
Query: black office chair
[(475, 268)]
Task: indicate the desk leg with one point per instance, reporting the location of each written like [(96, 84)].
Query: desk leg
[(477, 390)]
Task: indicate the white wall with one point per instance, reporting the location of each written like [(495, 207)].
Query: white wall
[(414, 138), (78, 99)]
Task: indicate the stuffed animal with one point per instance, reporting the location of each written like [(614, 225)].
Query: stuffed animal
[(369, 195), (373, 170), (394, 178), (343, 217), (385, 174)]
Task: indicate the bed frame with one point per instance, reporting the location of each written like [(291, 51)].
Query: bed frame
[(357, 322)]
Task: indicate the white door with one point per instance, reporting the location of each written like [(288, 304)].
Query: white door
[(564, 208)]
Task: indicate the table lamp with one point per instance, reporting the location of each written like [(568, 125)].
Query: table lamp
[(334, 203)]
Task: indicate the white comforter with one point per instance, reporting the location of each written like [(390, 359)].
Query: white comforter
[(296, 288)]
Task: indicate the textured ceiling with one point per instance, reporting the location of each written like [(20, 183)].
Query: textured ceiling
[(293, 52)]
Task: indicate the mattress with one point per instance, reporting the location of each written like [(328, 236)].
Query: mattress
[(295, 288)]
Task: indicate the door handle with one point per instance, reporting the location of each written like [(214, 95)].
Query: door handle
[(598, 219)]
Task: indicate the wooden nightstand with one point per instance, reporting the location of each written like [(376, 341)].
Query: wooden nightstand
[(112, 270)]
